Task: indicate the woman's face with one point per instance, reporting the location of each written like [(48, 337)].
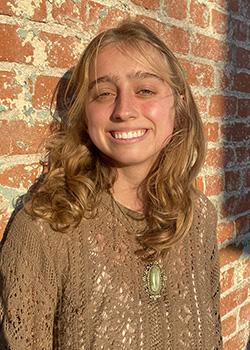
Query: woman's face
[(129, 109)]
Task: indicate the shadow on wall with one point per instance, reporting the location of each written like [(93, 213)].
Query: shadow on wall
[(235, 133)]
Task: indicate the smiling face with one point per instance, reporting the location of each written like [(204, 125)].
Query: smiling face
[(129, 109)]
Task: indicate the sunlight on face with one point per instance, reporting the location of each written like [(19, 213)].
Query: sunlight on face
[(129, 109)]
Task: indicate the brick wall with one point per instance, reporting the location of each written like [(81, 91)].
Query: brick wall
[(40, 39)]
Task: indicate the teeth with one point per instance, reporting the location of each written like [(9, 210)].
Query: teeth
[(128, 135)]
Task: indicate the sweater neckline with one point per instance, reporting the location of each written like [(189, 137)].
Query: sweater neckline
[(127, 216)]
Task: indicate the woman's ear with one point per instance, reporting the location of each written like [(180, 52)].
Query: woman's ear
[(182, 96)]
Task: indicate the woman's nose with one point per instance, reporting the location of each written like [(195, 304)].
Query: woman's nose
[(124, 107)]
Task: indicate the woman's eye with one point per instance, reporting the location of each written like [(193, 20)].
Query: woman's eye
[(146, 92), (103, 95)]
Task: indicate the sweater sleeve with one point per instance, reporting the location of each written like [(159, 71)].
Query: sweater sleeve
[(29, 287)]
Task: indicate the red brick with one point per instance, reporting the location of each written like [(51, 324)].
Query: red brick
[(220, 21), (177, 39), (244, 108), (25, 139), (222, 3), (213, 184), (69, 12), (228, 326), (201, 102), (11, 49), (236, 132), (208, 47), (243, 58), (225, 231), (198, 74), (230, 254), (237, 205), (242, 82), (234, 299), (199, 14), (220, 158), (221, 106), (224, 78), (239, 30), (242, 225), (238, 342), (110, 18), (245, 8), (176, 9), (246, 177), (232, 181), (245, 313), (44, 88), (147, 4), (199, 184), (227, 280), (9, 89), (60, 49), (22, 174), (212, 131), (233, 5), (4, 219), (13, 9), (243, 155)]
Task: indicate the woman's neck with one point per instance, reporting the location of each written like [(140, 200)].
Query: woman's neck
[(126, 190)]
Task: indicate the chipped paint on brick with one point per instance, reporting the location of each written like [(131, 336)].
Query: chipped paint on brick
[(23, 102), (24, 7), (39, 57), (2, 108), (10, 195), (23, 33), (87, 10), (21, 144), (59, 3), (103, 13)]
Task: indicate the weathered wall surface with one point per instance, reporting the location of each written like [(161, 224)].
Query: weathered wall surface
[(40, 39)]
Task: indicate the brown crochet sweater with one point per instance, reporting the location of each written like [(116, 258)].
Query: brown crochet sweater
[(85, 290)]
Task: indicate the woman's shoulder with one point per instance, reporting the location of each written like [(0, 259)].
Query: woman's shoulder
[(24, 224), (204, 206), (33, 237)]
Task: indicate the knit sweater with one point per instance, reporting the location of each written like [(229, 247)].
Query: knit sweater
[(85, 290)]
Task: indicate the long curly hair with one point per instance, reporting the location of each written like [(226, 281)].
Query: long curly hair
[(78, 173)]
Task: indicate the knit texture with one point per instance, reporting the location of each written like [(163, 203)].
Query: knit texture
[(84, 290)]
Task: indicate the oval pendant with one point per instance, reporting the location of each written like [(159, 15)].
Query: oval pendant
[(154, 280)]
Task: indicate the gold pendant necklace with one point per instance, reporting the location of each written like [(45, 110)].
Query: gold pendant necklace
[(154, 277)]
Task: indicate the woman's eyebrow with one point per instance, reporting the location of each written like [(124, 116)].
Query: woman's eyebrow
[(104, 79), (132, 76), (144, 75)]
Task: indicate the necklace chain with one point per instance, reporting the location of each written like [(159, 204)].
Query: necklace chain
[(153, 277), (122, 211)]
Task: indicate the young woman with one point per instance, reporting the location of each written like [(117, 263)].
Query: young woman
[(116, 249)]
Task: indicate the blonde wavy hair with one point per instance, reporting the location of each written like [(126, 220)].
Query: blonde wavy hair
[(78, 172)]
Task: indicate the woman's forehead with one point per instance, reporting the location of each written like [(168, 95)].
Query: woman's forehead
[(141, 53)]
